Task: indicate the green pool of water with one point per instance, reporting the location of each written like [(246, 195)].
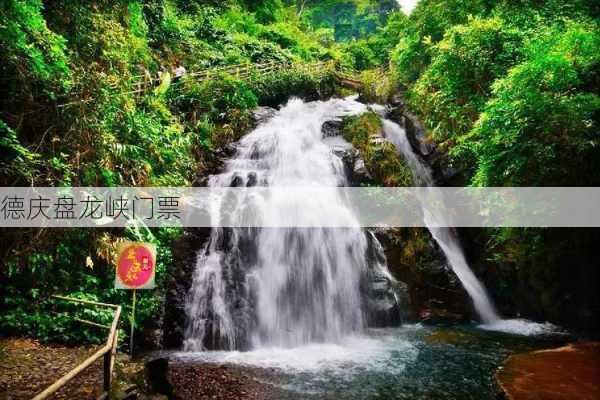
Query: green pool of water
[(410, 362)]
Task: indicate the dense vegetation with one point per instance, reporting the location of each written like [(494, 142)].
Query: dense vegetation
[(380, 157), (511, 89), (508, 91), (88, 97)]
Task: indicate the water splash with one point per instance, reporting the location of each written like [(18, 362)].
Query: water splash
[(344, 360), (283, 287), (523, 327), (434, 215)]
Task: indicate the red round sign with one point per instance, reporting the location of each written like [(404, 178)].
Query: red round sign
[(135, 266)]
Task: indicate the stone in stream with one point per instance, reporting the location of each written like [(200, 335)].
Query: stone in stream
[(438, 315), (356, 170), (157, 376), (360, 173), (331, 128), (434, 294), (570, 372)]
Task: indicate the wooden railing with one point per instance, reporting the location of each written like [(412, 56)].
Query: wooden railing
[(246, 71), (108, 352), (347, 74)]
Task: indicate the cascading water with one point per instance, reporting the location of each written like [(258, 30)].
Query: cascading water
[(435, 217), (283, 287), (296, 300)]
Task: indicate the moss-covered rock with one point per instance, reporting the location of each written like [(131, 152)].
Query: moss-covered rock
[(412, 256), (381, 159)]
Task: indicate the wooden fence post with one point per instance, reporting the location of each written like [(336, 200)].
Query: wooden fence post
[(107, 372), (107, 352)]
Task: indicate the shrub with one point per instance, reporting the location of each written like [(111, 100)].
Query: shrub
[(377, 86), (18, 165), (381, 159), (274, 89), (358, 55), (454, 88), (541, 127), (30, 51)]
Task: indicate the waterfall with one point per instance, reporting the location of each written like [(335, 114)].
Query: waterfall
[(434, 216), (283, 287)]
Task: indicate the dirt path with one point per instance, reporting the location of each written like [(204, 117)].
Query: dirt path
[(28, 367), (221, 382)]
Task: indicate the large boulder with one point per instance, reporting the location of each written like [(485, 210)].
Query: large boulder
[(434, 293), (568, 372), (156, 371), (331, 128), (386, 298)]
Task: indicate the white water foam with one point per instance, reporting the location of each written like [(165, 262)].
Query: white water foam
[(523, 327), (349, 357), (432, 203), (283, 287)]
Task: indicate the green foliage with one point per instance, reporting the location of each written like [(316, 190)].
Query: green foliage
[(266, 11), (15, 160), (454, 88), (115, 126), (77, 264), (296, 40), (510, 90), (381, 159), (377, 86), (29, 50), (350, 19), (429, 22), (222, 98), (358, 55), (507, 88), (358, 130), (274, 89), (383, 41), (541, 127)]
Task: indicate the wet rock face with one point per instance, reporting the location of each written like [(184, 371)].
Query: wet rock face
[(386, 301), (417, 136), (213, 161), (179, 280), (443, 173), (382, 308), (415, 132), (384, 298), (433, 293), (331, 128), (360, 173), (356, 170)]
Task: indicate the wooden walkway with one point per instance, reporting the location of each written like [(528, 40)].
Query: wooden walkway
[(247, 72)]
